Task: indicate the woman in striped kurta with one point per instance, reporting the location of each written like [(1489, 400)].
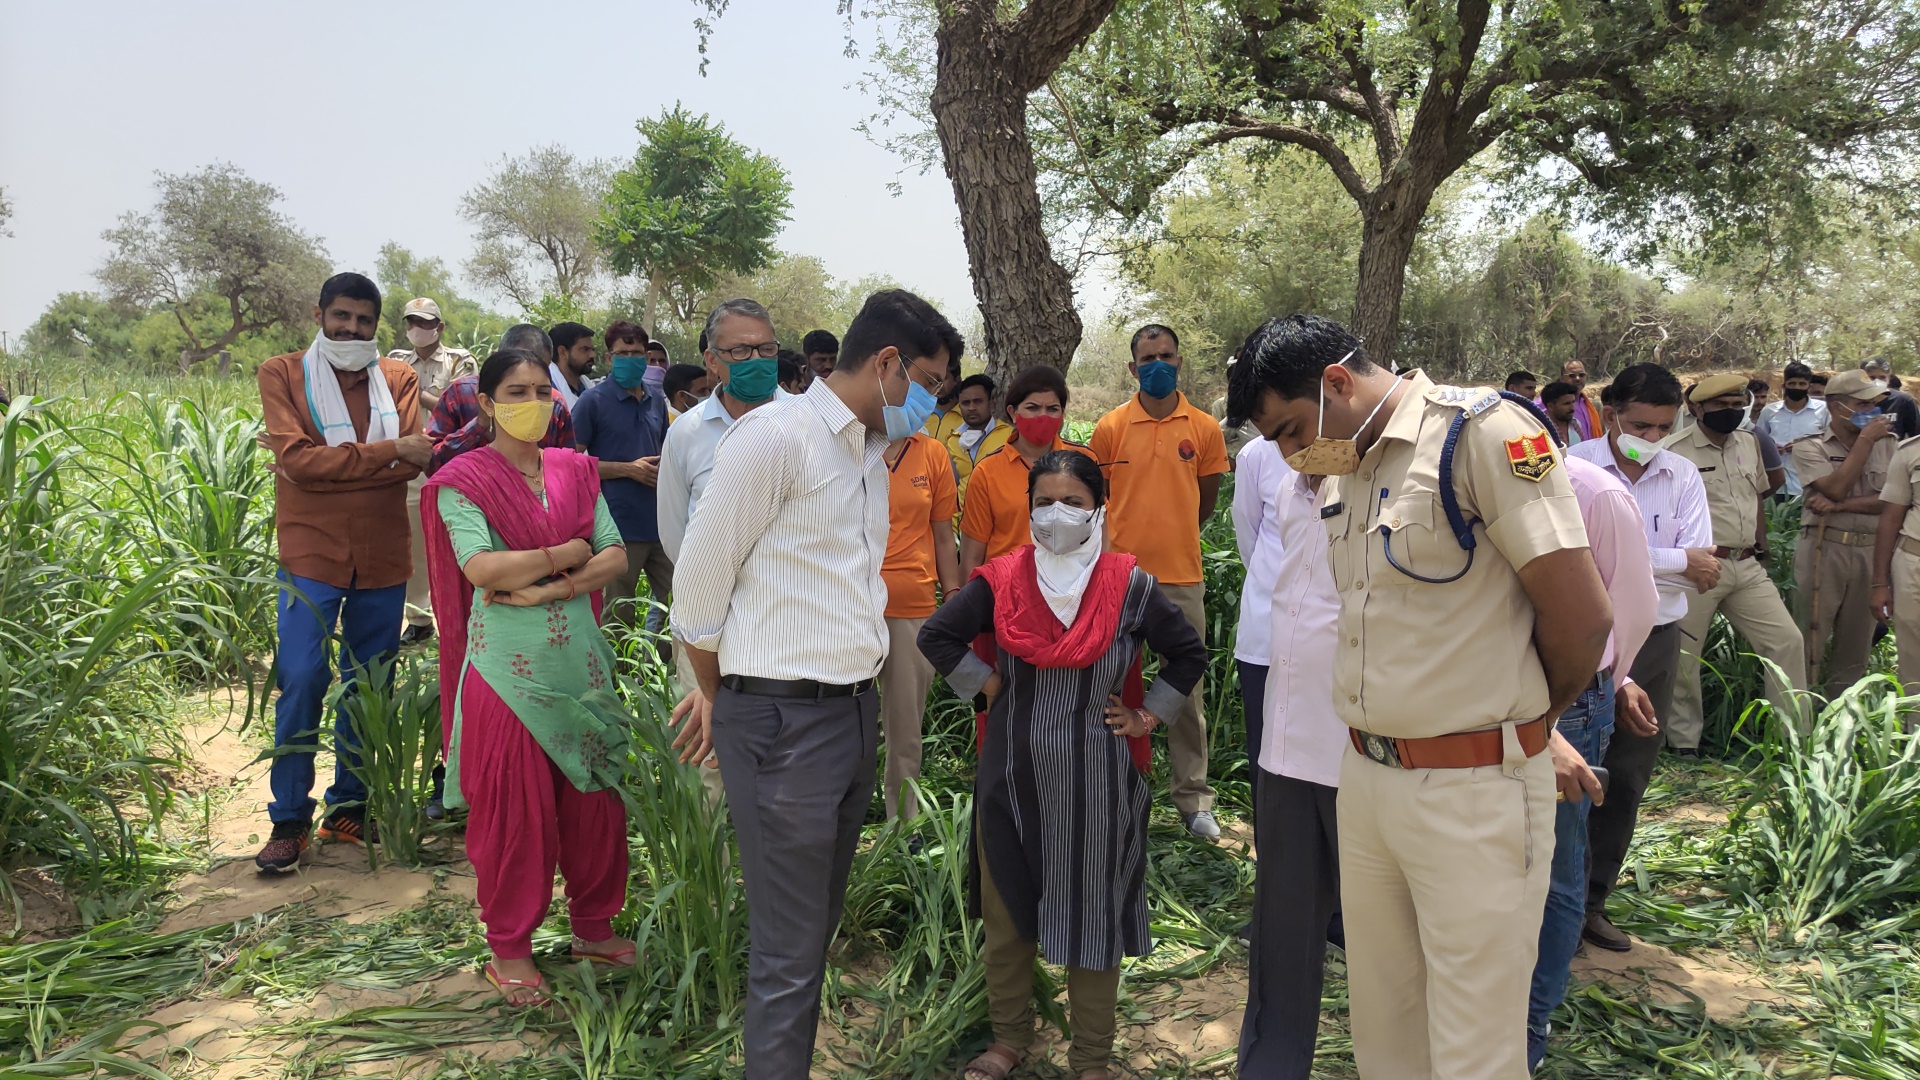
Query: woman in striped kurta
[(1060, 806)]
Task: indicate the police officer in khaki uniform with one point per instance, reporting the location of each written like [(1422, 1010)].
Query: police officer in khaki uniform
[(436, 365), (1471, 615), (1736, 480), (1843, 472), (1896, 562)]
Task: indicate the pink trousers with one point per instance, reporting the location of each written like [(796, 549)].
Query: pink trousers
[(524, 819)]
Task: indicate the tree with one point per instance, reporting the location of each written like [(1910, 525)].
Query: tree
[(533, 227), (694, 205), (6, 213), (214, 241), (402, 275), (1661, 119)]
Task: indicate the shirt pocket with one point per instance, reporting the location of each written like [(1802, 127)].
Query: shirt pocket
[(1412, 543), (1339, 556)]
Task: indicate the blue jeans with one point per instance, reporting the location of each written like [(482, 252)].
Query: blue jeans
[(369, 622), (1588, 725)]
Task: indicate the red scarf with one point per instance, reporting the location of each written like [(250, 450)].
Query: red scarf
[(1025, 626)]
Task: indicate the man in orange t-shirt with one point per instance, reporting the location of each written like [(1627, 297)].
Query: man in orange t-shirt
[(1164, 459), (922, 500), (993, 519)]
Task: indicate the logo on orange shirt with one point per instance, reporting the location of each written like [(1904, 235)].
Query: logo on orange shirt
[(1187, 450)]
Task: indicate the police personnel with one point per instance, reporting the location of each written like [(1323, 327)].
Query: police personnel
[(1731, 468), (1843, 471), (1471, 615), (437, 364), (1896, 562)]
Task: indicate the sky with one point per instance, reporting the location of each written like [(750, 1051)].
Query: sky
[(373, 120)]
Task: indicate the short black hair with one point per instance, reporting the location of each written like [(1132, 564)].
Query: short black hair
[(529, 337), (819, 341), (622, 330), (1759, 386), (564, 335), (1796, 370), (679, 377), (983, 381), (1151, 330), (352, 286), (897, 318), (1556, 390), (1521, 376), (501, 364), (1288, 356), (1643, 384), (1820, 377), (1034, 380), (1074, 464), (792, 367)]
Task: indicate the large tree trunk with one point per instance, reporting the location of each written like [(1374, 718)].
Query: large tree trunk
[(980, 113), (1390, 224)]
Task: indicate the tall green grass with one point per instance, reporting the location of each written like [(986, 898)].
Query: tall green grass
[(393, 710)]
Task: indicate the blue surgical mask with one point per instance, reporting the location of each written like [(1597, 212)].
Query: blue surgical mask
[(1158, 378), (904, 420), (1862, 419)]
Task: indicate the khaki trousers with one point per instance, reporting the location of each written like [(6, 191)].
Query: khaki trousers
[(1443, 884), (905, 680), (1093, 996), (1906, 622), (709, 778), (419, 597), (1845, 617), (647, 557), (1187, 737), (1749, 600)]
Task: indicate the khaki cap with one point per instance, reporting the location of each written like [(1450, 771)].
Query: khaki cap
[(1855, 386), (1715, 385), (421, 307)]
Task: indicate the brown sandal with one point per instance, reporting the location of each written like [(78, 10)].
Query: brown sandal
[(994, 1063)]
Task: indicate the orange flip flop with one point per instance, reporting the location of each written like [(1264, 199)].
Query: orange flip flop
[(626, 957), (506, 987)]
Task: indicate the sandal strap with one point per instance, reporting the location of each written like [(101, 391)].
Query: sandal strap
[(995, 1062), (498, 979)]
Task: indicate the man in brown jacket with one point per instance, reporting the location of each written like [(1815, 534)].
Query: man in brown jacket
[(344, 428)]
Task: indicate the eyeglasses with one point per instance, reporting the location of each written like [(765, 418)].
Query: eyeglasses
[(765, 350)]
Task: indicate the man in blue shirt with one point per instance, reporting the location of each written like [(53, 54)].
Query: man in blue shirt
[(622, 420)]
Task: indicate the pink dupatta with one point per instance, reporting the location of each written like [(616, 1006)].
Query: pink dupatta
[(491, 483)]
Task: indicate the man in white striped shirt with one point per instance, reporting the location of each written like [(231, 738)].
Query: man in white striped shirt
[(1639, 410), (786, 644)]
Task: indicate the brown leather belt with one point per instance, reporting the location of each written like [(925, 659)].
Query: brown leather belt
[(1736, 554), (1909, 545), (1842, 536), (1464, 750)]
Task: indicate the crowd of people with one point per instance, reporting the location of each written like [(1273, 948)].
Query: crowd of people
[(1471, 621)]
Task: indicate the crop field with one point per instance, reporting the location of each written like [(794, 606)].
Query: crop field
[(1774, 886)]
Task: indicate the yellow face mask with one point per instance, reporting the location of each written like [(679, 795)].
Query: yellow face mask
[(523, 420)]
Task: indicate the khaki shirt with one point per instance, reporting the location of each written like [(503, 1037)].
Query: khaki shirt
[(1814, 458), (446, 365), (1734, 477), (1416, 659), (1903, 476)]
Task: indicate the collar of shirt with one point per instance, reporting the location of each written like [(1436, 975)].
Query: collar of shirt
[(840, 421), (714, 409), (1138, 414), (1601, 454), (1404, 424)]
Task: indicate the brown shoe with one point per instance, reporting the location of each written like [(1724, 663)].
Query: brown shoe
[(284, 848), (1600, 931)]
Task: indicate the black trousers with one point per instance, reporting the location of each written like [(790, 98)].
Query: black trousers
[(1630, 760), (1296, 893)]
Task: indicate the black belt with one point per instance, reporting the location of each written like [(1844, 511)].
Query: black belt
[(794, 688)]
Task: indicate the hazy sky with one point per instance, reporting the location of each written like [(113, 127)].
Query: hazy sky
[(373, 119)]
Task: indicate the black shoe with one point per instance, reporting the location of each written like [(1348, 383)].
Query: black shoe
[(1244, 936), (1691, 753), (284, 848), (414, 634), (1599, 930), (436, 810)]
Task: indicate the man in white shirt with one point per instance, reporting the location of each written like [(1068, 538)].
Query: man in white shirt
[(1794, 417), (786, 645), (1639, 410), (1260, 476)]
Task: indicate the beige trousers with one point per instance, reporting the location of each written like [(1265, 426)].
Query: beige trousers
[(1749, 600), (1842, 628), (1187, 738), (419, 597), (905, 680), (1443, 883), (643, 557), (1093, 996), (1906, 622)]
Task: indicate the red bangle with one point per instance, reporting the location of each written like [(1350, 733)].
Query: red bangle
[(553, 564), (572, 589)]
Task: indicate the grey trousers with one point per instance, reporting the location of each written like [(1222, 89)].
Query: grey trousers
[(799, 776), (1296, 892)]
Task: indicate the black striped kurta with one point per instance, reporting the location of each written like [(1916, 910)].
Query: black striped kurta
[(1061, 810)]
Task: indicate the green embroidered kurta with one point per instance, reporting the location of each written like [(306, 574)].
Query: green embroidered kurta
[(550, 664)]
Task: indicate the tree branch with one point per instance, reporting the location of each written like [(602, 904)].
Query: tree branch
[(1241, 126), (1045, 33)]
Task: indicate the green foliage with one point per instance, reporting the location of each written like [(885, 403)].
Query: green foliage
[(394, 713), (533, 226)]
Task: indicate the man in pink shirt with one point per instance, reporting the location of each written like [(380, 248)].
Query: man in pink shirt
[(1617, 535)]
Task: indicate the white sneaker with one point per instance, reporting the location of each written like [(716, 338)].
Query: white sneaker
[(1201, 824)]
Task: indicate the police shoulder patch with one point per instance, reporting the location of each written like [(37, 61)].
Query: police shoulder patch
[(1531, 456)]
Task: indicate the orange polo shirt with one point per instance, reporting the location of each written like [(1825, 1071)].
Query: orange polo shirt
[(921, 497), (997, 508), (1153, 484)]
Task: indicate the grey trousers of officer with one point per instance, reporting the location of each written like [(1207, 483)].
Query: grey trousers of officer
[(799, 776), (1296, 891), (1630, 761)]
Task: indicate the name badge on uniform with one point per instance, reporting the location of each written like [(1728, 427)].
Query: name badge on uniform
[(1708, 468), (1331, 510)]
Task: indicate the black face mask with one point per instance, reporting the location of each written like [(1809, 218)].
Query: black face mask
[(1723, 421), (1796, 395)]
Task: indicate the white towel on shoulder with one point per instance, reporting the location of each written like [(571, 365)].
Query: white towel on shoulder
[(329, 407)]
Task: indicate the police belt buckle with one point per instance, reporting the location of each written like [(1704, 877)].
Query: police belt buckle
[(1377, 748)]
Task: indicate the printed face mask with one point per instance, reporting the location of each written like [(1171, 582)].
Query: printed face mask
[(523, 420), (1061, 528), (1332, 457)]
